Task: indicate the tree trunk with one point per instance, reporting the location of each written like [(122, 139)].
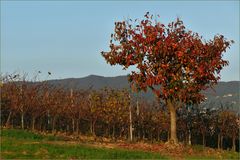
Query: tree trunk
[(233, 144), (189, 138), (33, 123), (222, 142), (53, 124), (203, 140), (7, 124), (93, 127), (44, 125), (168, 135), (48, 120), (113, 133), (122, 132), (219, 141), (151, 136), (22, 120), (109, 130), (40, 124), (186, 137), (78, 120), (173, 122), (73, 125), (77, 126), (12, 124), (139, 133), (143, 134), (67, 129), (130, 122)]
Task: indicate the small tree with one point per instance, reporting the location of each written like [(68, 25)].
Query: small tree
[(175, 63)]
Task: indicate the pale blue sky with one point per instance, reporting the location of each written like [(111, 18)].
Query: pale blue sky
[(66, 38)]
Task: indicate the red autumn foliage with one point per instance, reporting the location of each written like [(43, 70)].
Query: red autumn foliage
[(173, 57)]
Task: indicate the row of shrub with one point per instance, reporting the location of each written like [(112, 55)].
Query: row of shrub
[(110, 113)]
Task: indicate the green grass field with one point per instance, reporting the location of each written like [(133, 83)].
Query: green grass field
[(20, 144), (17, 144)]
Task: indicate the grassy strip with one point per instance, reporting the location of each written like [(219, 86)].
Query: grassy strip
[(27, 135), (17, 144), (22, 144)]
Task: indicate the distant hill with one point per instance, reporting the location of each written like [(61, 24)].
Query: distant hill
[(94, 81), (226, 93)]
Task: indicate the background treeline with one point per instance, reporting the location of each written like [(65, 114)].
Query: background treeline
[(112, 113)]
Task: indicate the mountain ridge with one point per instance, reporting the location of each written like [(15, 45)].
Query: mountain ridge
[(226, 93), (95, 75)]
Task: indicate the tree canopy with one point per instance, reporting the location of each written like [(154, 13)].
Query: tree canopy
[(171, 56)]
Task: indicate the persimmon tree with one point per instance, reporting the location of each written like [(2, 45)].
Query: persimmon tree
[(74, 107), (94, 112), (9, 101), (56, 98), (20, 95), (34, 103), (232, 128), (175, 63), (115, 110)]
